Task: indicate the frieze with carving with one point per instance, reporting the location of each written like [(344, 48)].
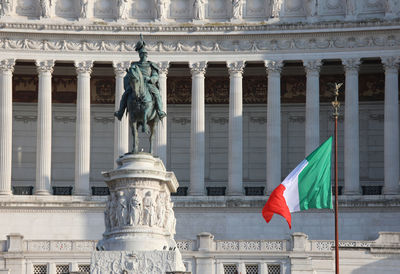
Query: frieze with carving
[(64, 89), (179, 90), (255, 90), (102, 90), (371, 87), (217, 90), (25, 88), (293, 89), (325, 88)]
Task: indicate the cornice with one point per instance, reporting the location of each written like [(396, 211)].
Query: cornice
[(188, 29), (245, 43), (97, 203)]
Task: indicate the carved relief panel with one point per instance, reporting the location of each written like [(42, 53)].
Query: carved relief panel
[(258, 8), (28, 8), (294, 8), (218, 9), (105, 9), (143, 9), (181, 9), (331, 7), (67, 8), (371, 6)]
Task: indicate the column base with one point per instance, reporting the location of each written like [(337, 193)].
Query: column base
[(5, 192), (235, 193), (196, 193), (42, 192), (390, 191)]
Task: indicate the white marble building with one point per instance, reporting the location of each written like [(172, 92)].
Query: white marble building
[(245, 84)]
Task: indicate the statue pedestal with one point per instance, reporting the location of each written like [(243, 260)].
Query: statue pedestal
[(139, 219)]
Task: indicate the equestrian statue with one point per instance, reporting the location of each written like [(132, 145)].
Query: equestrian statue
[(141, 98)]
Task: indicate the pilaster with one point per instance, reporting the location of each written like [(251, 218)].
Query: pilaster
[(235, 184), (6, 70), (273, 176), (44, 125), (351, 128), (121, 130), (161, 132), (312, 68), (197, 129), (391, 126), (82, 141)]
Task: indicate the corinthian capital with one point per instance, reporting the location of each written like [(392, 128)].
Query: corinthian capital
[(236, 67), (312, 66), (44, 66), (121, 67), (390, 63), (274, 66), (351, 64), (163, 66), (198, 67), (7, 65), (83, 66)]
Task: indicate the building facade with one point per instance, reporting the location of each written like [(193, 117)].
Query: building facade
[(247, 88)]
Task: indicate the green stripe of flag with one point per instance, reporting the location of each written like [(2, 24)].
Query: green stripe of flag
[(315, 179)]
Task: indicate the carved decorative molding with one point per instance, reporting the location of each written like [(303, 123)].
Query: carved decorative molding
[(25, 118), (65, 119), (104, 120), (325, 41), (258, 120), (220, 120), (181, 120)]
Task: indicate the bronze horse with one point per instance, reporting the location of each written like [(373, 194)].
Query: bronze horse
[(141, 109)]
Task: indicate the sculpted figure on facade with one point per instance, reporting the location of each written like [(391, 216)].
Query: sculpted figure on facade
[(170, 221), (135, 209), (45, 8), (160, 209), (123, 9), (392, 7), (161, 9), (351, 8), (312, 8), (107, 216), (237, 9), (198, 9), (122, 209), (6, 6), (113, 210), (148, 210), (276, 8), (84, 8)]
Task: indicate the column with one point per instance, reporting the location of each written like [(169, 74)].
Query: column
[(82, 141), (7, 68), (312, 68), (121, 128), (197, 127), (273, 124), (161, 132), (235, 182), (351, 131), (44, 123), (391, 126)]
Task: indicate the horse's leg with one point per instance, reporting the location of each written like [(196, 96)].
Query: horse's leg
[(145, 126), (134, 138), (151, 137)]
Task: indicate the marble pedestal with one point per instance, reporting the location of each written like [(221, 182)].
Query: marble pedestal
[(139, 219)]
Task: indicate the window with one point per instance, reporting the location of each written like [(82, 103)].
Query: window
[(274, 269), (62, 269), (230, 269), (84, 268), (40, 269), (251, 269)]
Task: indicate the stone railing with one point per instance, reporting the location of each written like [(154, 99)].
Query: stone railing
[(164, 11)]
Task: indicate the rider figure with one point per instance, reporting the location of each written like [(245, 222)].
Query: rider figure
[(150, 77)]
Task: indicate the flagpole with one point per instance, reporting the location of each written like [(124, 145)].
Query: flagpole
[(336, 105)]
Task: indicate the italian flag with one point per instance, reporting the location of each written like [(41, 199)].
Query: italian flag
[(307, 186)]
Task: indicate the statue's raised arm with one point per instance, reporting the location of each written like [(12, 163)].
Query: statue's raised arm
[(142, 98)]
